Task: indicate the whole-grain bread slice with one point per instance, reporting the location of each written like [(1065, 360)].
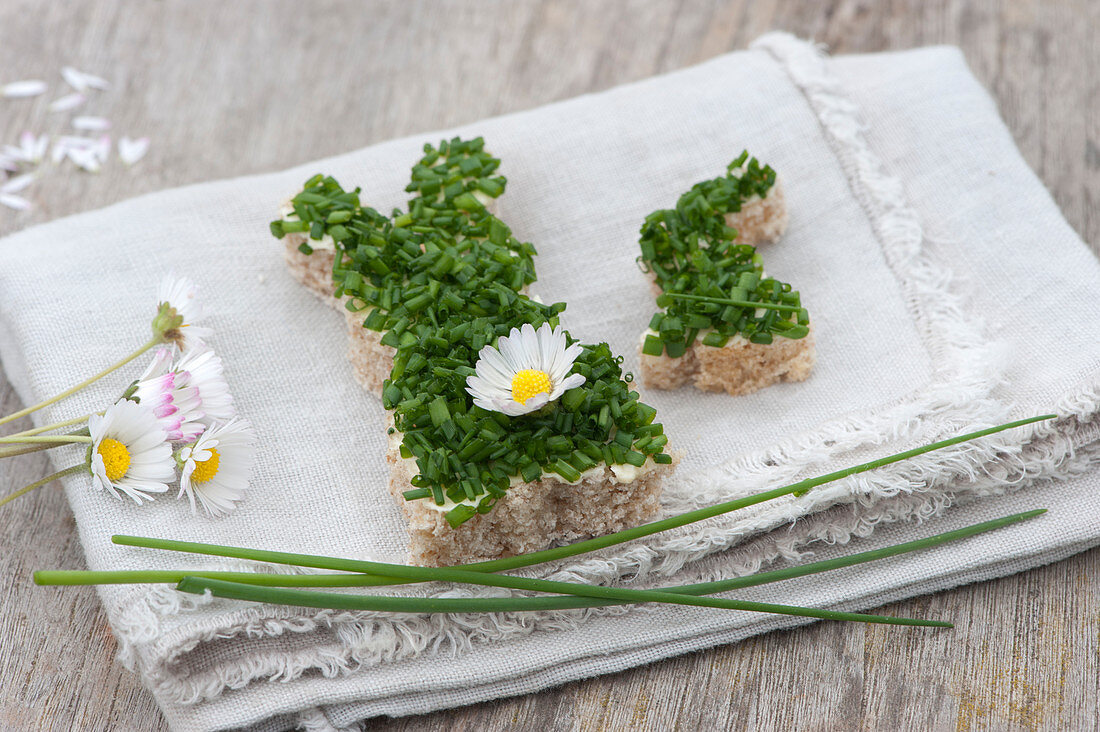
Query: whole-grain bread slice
[(738, 368), (530, 517)]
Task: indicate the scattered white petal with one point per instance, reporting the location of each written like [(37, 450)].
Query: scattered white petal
[(82, 81), (131, 151), (31, 149), (12, 201), (85, 159), (67, 102), (20, 89), (18, 183), (35, 146), (63, 145), (102, 148), (9, 163), (79, 143), (91, 124)]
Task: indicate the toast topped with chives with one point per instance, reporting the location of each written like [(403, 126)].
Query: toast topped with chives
[(506, 435)]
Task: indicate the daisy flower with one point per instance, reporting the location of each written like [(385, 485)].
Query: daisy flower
[(178, 311), (215, 467), (185, 396), (130, 452), (526, 370)]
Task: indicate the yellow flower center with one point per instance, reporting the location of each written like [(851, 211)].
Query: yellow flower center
[(116, 458), (206, 469), (528, 382)]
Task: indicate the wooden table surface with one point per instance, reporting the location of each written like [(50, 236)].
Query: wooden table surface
[(226, 89)]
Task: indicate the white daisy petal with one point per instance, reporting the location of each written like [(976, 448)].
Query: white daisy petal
[(67, 102), (91, 124), (572, 382), (81, 81), (131, 151), (23, 89), (16, 202), (18, 183), (85, 159)]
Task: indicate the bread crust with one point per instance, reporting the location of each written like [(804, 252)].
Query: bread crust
[(761, 220), (740, 367), (530, 517)]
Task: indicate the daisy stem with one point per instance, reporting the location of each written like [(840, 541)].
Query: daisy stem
[(40, 483), (157, 340), (55, 439), (54, 426), (13, 451)]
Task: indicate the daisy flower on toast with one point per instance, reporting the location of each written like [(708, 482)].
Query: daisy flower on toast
[(216, 466), (130, 453), (526, 370)]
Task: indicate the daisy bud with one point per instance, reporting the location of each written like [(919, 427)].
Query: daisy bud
[(178, 310)]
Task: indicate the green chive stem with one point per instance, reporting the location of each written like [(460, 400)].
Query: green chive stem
[(355, 579), (90, 380), (600, 542), (727, 301), (465, 576), (385, 603), (39, 483)]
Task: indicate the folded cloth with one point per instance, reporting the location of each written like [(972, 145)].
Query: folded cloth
[(947, 293)]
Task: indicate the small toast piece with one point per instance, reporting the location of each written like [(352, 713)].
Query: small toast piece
[(740, 367), (530, 516), (761, 220)]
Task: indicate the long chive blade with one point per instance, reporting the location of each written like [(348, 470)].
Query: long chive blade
[(355, 579), (452, 574), (71, 577), (729, 301), (600, 542), (307, 598)]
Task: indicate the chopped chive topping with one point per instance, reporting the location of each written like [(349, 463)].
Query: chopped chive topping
[(441, 281), (709, 282)]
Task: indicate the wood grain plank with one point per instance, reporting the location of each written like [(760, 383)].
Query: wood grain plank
[(228, 89)]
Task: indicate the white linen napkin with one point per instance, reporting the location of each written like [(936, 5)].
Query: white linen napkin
[(946, 291)]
